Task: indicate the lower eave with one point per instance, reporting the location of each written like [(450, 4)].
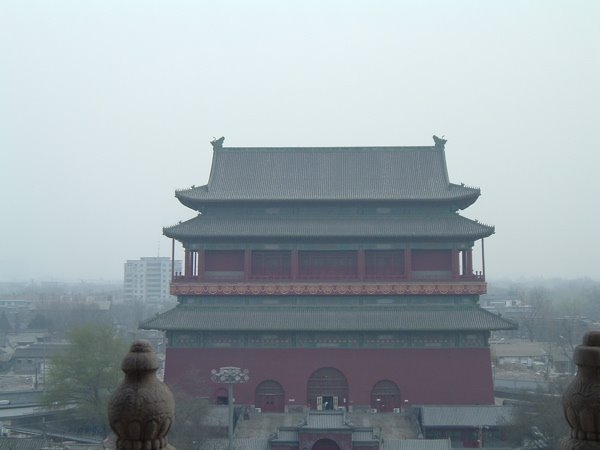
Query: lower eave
[(320, 318)]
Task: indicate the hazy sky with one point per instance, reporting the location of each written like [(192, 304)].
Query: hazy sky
[(106, 107)]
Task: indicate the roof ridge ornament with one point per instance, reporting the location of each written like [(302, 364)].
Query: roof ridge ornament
[(440, 143), (217, 143)]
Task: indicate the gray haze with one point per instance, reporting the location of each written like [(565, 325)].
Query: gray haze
[(106, 107)]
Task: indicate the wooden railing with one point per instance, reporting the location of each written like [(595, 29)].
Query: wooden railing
[(415, 276)]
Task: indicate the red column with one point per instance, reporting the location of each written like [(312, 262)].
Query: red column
[(360, 261), (455, 264), (463, 255), (294, 264), (247, 264), (470, 263), (172, 259), (201, 264), (188, 264), (482, 259), (407, 263)]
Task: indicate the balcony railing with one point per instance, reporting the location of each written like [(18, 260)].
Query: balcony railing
[(318, 277)]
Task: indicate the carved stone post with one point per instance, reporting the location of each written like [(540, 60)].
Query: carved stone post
[(142, 409), (581, 400)]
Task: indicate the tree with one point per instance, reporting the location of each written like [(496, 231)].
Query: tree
[(5, 326), (539, 419), (40, 322), (189, 430), (85, 375)]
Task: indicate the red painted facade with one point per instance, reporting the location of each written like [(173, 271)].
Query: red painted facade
[(424, 376), (225, 265)]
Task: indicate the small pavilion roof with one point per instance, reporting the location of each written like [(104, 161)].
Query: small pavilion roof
[(417, 444), (449, 225), (332, 318), (403, 174), (466, 416)]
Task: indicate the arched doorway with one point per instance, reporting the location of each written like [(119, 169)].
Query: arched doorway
[(325, 444), (385, 396), (269, 396), (327, 389)]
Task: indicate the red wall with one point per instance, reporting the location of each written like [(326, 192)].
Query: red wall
[(424, 376), (224, 260), (431, 260)]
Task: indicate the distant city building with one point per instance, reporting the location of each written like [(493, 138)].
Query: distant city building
[(147, 279), (35, 358)]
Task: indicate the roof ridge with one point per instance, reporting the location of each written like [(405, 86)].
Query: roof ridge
[(335, 148)]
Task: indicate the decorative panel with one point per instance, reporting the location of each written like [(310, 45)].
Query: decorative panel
[(269, 340), (433, 340), (328, 340), (386, 340), (327, 265), (472, 340), (185, 339), (384, 264), (271, 265), (184, 287), (232, 339)]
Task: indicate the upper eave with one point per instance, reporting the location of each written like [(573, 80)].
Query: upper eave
[(442, 226), (329, 174), (459, 197)]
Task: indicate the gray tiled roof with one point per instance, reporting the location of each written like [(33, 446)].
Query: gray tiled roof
[(465, 416), (328, 173), (363, 436), (287, 435), (417, 444), (23, 443), (41, 351), (251, 444), (296, 318), (326, 420), (409, 226), (9, 443)]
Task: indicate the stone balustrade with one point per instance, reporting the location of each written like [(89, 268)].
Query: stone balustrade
[(581, 399), (141, 410)]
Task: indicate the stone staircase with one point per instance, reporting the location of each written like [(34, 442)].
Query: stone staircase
[(389, 425)]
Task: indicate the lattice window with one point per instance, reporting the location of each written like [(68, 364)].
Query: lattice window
[(328, 265), (271, 264), (382, 264)]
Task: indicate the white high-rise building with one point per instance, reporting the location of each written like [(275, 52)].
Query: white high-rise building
[(147, 279)]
